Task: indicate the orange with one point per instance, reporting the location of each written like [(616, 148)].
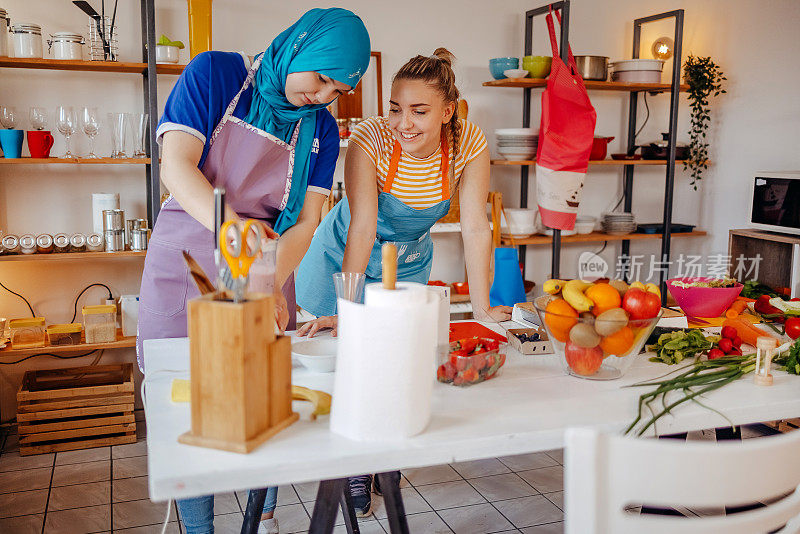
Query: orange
[(604, 296), (618, 343), (560, 317)]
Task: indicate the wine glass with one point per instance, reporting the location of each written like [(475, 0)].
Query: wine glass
[(38, 117), (91, 125), (8, 117), (66, 123)]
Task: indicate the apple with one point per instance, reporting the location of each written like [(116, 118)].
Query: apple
[(581, 360), (641, 304)]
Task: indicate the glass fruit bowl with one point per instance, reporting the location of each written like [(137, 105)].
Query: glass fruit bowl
[(591, 348), (470, 361)]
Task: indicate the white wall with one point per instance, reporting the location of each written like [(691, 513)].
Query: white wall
[(756, 125)]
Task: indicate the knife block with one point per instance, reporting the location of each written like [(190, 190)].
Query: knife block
[(240, 373)]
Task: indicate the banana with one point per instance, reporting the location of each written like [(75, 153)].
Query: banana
[(573, 294), (320, 399), (638, 285), (652, 288), (554, 286)]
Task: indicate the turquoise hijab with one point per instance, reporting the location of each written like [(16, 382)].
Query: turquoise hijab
[(333, 42)]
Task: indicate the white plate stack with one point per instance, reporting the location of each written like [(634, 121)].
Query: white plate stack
[(517, 143), (618, 223)]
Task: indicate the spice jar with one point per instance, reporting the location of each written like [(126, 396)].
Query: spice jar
[(4, 22), (65, 334), (10, 244), (27, 244), (27, 40), (44, 244), (61, 242), (66, 46), (94, 243), (77, 243), (27, 333), (100, 323)]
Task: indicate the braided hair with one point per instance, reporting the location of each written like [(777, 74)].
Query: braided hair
[(437, 71)]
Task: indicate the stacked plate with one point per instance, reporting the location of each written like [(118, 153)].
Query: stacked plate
[(517, 143), (618, 223)]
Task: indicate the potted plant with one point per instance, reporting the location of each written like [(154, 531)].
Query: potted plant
[(167, 50), (704, 78)]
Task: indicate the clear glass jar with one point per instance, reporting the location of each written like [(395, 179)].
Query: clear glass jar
[(94, 243), (97, 48), (44, 244), (65, 334), (27, 40), (66, 46), (61, 242), (100, 323), (77, 243), (27, 333), (10, 244), (27, 244)]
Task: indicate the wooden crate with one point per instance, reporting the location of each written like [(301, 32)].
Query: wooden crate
[(784, 425), (75, 408)]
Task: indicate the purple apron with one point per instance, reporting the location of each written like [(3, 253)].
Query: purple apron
[(255, 168)]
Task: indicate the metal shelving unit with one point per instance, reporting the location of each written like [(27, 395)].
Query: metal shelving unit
[(674, 88)]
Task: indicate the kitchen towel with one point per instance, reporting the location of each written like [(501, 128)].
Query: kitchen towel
[(100, 202), (386, 363)]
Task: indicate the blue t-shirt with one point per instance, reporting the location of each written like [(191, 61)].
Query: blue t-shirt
[(202, 94)]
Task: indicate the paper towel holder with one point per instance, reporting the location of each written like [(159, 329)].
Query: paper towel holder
[(389, 265)]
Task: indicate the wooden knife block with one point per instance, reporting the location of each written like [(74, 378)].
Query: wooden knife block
[(241, 373)]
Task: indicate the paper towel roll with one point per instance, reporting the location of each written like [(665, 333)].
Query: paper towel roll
[(442, 294), (100, 202), (385, 368)]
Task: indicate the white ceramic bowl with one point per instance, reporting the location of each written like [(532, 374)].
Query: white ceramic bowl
[(585, 224), (516, 73), (316, 354), (166, 54)]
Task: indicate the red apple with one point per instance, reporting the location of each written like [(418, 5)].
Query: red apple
[(641, 304), (583, 361)]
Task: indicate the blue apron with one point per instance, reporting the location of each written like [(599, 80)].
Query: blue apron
[(406, 227)]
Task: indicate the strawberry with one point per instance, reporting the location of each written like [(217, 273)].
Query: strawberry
[(470, 375)]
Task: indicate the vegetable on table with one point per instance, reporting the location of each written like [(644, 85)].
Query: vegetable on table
[(764, 306), (745, 330), (790, 359), (738, 306), (752, 289), (674, 347), (792, 327)]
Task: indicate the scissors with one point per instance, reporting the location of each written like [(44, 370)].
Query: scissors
[(240, 243)]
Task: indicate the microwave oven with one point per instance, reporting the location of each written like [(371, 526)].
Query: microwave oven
[(775, 202)]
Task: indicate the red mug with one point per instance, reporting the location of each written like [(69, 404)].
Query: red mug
[(39, 143)]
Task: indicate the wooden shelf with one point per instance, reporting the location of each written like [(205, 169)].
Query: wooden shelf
[(120, 343), (590, 85), (87, 66), (594, 237), (75, 161), (72, 256), (593, 162)]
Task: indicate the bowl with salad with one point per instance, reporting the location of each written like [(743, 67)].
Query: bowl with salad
[(704, 296)]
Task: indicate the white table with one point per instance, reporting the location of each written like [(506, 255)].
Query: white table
[(526, 408)]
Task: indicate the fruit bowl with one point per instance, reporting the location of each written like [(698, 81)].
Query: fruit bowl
[(703, 301), (470, 361), (582, 350)]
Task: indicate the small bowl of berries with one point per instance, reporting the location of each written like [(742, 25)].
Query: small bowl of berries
[(470, 361)]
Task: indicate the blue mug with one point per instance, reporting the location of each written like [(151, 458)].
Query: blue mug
[(11, 143)]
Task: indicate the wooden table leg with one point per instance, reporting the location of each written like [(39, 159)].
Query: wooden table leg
[(329, 495), (255, 507), (348, 511), (393, 499)]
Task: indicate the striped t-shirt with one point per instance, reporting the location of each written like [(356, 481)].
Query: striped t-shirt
[(418, 182)]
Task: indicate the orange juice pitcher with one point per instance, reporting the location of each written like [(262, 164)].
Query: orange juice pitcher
[(199, 26)]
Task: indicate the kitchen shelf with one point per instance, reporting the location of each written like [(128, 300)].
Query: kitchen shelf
[(72, 256), (528, 83), (87, 66), (75, 161), (595, 237), (120, 343), (593, 162)]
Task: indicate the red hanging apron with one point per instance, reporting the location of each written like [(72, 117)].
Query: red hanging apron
[(565, 140)]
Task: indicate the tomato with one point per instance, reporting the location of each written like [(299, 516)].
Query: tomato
[(728, 332), (792, 327), (583, 361), (641, 304)]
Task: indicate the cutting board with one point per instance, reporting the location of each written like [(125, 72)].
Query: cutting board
[(471, 329)]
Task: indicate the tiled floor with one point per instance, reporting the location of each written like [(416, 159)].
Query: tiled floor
[(105, 490)]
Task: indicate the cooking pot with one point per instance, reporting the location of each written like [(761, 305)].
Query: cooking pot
[(659, 149), (599, 147), (592, 67)]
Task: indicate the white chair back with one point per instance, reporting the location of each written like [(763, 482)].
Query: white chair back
[(605, 473)]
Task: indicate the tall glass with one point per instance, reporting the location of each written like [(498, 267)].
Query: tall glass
[(91, 125), (139, 124), (119, 126), (349, 286), (66, 122), (38, 117)]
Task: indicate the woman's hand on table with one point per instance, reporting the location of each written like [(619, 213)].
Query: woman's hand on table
[(281, 311), (312, 327), (495, 314)]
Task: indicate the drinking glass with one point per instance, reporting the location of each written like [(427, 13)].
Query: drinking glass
[(67, 123), (38, 117), (91, 125), (119, 126), (349, 286), (139, 124), (8, 117)]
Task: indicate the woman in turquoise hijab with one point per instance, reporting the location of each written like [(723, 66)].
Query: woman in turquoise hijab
[(262, 131)]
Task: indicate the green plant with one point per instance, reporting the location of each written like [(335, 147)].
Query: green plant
[(704, 78), (165, 41)]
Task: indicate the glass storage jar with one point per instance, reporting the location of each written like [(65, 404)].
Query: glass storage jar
[(27, 244), (77, 243), (10, 244), (66, 46), (27, 333), (44, 244), (65, 334), (100, 323), (61, 242), (94, 243), (27, 40)]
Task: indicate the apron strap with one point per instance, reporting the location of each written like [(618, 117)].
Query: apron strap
[(232, 104), (444, 169)]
